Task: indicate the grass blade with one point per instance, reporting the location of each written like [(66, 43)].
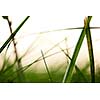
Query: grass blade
[(78, 71), (18, 62), (13, 34), (46, 67), (5, 60), (69, 69), (65, 29), (76, 67), (90, 50)]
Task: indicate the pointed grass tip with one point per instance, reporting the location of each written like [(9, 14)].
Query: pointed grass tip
[(5, 17)]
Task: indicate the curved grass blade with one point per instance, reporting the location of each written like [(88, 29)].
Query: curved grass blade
[(90, 50), (13, 34), (69, 69), (65, 29)]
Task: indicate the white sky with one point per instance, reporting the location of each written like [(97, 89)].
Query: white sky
[(49, 15), (29, 33)]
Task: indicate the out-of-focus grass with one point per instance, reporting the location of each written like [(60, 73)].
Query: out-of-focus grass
[(8, 72), (8, 75), (36, 77)]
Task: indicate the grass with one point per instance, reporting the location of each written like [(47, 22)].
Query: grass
[(13, 34), (69, 69), (90, 49), (68, 72), (46, 67)]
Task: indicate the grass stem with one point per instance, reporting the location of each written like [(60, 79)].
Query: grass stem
[(46, 67), (19, 65), (90, 50), (13, 34), (69, 70)]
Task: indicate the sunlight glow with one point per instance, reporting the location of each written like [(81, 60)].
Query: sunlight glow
[(32, 34)]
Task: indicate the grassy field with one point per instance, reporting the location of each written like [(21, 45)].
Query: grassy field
[(15, 72)]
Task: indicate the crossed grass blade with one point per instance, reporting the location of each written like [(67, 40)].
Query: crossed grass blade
[(78, 71), (46, 67), (69, 70), (13, 34)]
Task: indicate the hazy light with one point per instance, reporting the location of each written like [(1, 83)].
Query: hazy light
[(30, 35)]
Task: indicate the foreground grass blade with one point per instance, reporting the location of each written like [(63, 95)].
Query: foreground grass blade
[(69, 69), (90, 50), (13, 34), (46, 67), (76, 67), (78, 71)]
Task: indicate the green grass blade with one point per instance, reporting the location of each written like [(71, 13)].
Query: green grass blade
[(90, 50), (65, 29), (76, 67), (69, 69), (13, 34), (78, 71), (46, 67)]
